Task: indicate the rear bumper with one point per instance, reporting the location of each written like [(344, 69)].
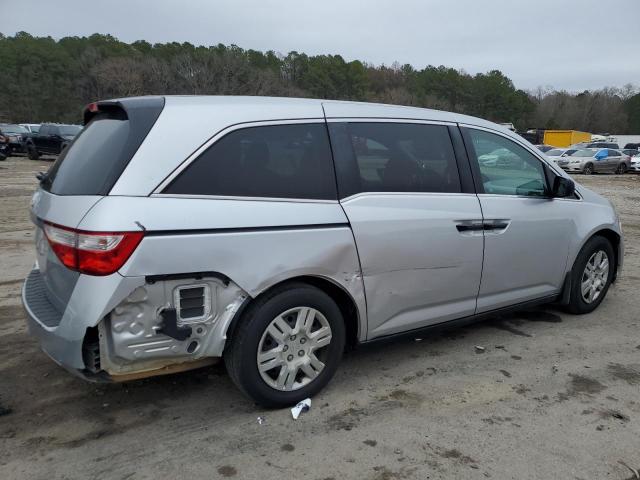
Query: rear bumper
[(44, 323), (61, 334)]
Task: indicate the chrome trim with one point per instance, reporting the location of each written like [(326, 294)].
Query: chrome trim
[(397, 194), (221, 133)]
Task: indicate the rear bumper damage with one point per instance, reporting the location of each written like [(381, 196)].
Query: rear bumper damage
[(136, 326)]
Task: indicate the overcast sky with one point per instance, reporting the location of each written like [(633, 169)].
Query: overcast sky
[(567, 44)]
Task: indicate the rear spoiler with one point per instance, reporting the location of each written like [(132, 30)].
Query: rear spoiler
[(145, 110)]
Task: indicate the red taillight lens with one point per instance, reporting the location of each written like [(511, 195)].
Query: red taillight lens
[(92, 253)]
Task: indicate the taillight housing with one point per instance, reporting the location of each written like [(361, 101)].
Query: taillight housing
[(91, 253)]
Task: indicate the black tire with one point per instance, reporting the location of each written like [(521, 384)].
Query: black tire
[(622, 169), (577, 303), (588, 169), (32, 153), (240, 355)]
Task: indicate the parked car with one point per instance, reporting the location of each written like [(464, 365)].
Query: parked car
[(4, 148), (558, 153), (32, 127), (51, 139), (274, 232), (593, 160), (613, 146), (634, 164), (630, 151), (544, 148), (15, 137)]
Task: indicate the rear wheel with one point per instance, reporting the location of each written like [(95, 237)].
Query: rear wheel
[(622, 169), (287, 345), (588, 169), (591, 275), (32, 153)]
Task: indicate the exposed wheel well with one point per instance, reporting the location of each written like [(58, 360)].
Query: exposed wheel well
[(341, 297), (614, 239)]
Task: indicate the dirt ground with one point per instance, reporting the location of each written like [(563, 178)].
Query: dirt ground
[(553, 395)]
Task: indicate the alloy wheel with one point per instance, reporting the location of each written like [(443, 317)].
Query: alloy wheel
[(292, 350), (595, 276)]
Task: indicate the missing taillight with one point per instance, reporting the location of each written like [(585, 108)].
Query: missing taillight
[(92, 253)]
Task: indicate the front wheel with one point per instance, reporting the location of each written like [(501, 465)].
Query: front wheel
[(591, 275), (588, 169), (32, 153), (287, 345)]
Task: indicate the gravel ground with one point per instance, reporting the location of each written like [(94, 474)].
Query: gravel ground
[(552, 396)]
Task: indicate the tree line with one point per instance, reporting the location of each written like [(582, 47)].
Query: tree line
[(42, 79)]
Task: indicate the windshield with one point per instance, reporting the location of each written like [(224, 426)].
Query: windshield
[(70, 129), (13, 129), (584, 153), (555, 153)]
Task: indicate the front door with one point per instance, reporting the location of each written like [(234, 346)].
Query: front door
[(417, 229), (526, 232)]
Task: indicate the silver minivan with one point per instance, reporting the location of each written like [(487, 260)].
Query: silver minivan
[(274, 233)]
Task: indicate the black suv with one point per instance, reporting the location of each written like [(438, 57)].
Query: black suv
[(14, 136), (51, 139)]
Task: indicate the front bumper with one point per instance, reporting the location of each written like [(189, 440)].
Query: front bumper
[(572, 168)]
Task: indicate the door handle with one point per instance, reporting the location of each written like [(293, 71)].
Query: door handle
[(464, 226), (496, 225)]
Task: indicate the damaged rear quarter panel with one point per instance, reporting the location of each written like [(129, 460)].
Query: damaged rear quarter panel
[(256, 244)]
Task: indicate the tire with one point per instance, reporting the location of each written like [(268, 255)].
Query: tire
[(588, 169), (578, 304), (252, 336), (32, 153), (622, 169)]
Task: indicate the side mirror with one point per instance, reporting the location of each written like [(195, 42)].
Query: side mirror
[(563, 187)]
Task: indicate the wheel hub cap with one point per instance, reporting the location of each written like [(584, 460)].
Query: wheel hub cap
[(595, 276), (303, 330)]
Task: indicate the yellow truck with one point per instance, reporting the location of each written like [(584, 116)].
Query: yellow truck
[(565, 138)]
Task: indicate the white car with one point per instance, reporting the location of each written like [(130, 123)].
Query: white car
[(634, 165), (558, 153)]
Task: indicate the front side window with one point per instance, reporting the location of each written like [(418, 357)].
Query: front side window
[(394, 157), (505, 167), (279, 161)]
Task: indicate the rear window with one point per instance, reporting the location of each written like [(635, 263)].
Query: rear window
[(98, 155), (87, 166), (279, 161)]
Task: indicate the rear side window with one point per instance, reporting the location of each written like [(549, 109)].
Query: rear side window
[(394, 157), (98, 155), (278, 161)]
